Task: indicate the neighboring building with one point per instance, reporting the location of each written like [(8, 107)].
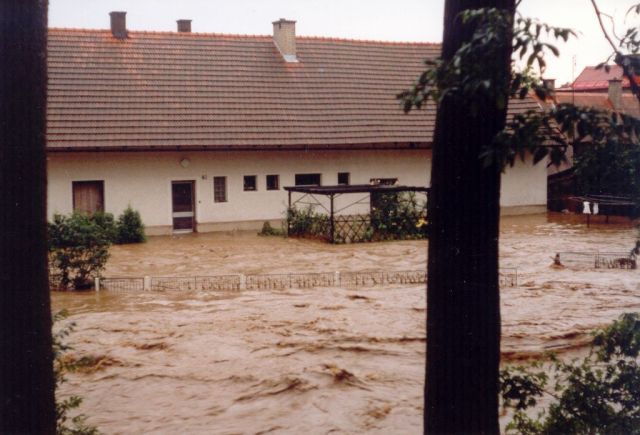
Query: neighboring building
[(597, 88), (202, 131)]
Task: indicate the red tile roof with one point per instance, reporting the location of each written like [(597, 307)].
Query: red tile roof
[(594, 79), (212, 91)]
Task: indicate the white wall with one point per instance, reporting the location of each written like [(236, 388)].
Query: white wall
[(525, 185), (143, 180)]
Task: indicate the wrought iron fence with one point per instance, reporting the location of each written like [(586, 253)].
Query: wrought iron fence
[(196, 283), (122, 284), (291, 280), (508, 278), (597, 260)]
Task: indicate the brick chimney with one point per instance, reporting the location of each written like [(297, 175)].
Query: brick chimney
[(550, 86), (119, 24), (284, 37), (615, 93), (184, 26)]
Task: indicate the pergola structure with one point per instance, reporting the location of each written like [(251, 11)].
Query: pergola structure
[(334, 192)]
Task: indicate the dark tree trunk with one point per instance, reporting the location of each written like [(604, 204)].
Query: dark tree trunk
[(463, 301), (26, 362)]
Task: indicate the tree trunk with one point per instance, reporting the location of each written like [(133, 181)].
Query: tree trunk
[(27, 402), (463, 301)]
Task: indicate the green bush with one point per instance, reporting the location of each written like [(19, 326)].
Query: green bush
[(130, 228), (598, 394), (78, 249), (268, 230), (397, 216), (307, 223), (107, 223)]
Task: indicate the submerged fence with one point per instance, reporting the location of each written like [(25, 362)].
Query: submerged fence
[(597, 260), (508, 278)]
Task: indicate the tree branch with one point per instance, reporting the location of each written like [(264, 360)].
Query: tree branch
[(620, 57)]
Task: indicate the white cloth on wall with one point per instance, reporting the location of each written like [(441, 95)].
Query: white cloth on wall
[(585, 207), (595, 208)]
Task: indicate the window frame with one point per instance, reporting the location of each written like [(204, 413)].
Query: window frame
[(224, 187), (275, 177), (255, 183), (344, 174), (77, 183), (313, 174)]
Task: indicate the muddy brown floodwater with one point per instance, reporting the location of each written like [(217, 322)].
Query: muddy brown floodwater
[(326, 360)]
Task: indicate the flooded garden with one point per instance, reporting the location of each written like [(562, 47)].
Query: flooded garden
[(318, 360)]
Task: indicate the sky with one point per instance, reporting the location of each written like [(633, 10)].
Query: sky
[(388, 20)]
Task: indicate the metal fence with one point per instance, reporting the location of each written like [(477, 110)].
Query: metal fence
[(122, 284), (597, 260), (508, 278), (196, 283)]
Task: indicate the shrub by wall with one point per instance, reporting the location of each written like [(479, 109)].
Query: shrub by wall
[(78, 249), (130, 228)]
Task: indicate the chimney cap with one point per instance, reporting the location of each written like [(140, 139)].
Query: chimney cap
[(284, 21)]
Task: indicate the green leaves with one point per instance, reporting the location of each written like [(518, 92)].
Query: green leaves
[(78, 248), (596, 394)]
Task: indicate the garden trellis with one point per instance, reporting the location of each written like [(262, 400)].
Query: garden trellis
[(347, 211)]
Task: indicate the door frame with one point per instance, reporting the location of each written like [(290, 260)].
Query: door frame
[(101, 189), (193, 229)]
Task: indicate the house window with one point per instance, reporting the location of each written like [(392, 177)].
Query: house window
[(250, 183), (219, 189), (343, 178), (273, 182), (88, 196), (307, 179), (383, 181)]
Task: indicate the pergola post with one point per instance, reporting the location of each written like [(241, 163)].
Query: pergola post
[(288, 211), (331, 222)]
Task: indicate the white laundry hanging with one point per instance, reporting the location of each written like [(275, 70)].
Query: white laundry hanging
[(595, 208), (585, 207)]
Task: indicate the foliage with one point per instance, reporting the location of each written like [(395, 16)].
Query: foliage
[(307, 222), (78, 249), (612, 167), (78, 425), (268, 230), (468, 74), (107, 223), (596, 394), (130, 228), (397, 216)]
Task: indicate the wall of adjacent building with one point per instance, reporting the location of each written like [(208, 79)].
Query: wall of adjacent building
[(143, 180)]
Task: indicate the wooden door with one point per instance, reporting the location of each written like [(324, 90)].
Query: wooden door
[(183, 205), (88, 196)]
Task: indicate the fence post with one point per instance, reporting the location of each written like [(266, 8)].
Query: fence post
[(146, 283), (96, 283), (336, 278), (243, 281)]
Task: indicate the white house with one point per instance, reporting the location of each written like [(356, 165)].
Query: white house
[(202, 131)]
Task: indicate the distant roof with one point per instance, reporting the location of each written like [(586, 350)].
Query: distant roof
[(629, 103), (591, 78), (169, 90)]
